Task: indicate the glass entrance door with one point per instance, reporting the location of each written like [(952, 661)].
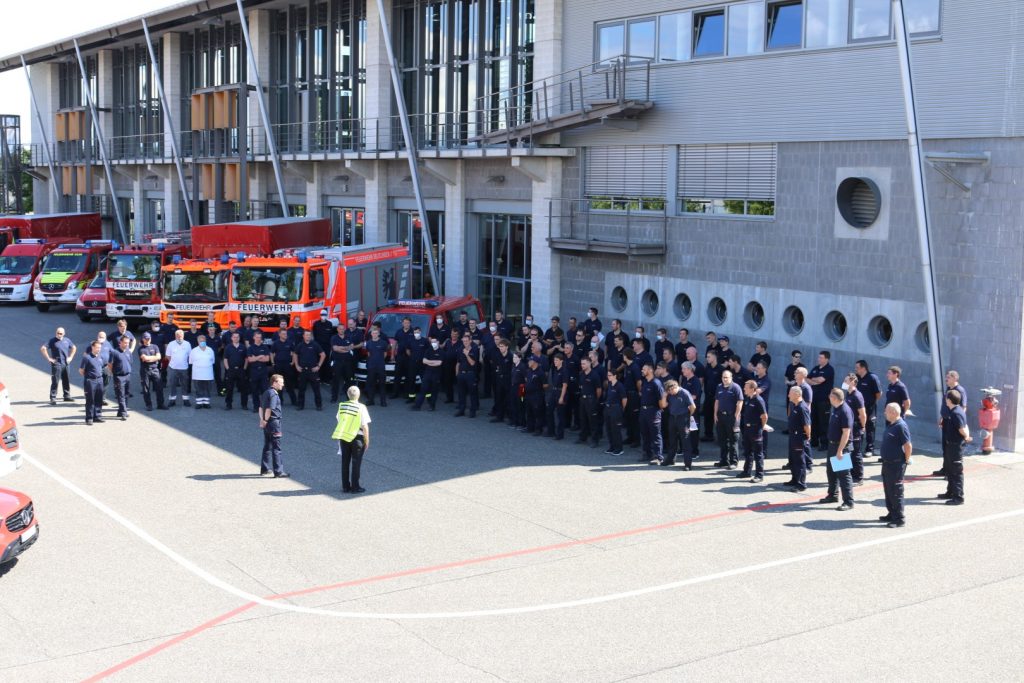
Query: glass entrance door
[(347, 226), (504, 259), (409, 231)]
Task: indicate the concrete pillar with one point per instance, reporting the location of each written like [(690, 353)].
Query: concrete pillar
[(454, 254), (259, 33), (545, 273), (45, 84), (377, 128), (175, 218), (105, 95), (136, 226), (315, 190), (547, 53), (170, 76), (377, 213)]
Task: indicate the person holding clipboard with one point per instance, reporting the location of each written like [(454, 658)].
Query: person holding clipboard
[(839, 463)]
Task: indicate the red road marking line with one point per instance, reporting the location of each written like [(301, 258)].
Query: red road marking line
[(471, 561)]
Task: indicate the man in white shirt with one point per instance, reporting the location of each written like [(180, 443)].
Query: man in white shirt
[(202, 359), (178, 351)]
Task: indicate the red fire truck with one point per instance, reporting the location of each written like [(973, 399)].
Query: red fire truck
[(134, 285), (25, 241), (67, 270)]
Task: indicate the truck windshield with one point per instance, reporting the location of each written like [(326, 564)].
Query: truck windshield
[(266, 284), (16, 265), (195, 287), (143, 267), (65, 262), (392, 322)]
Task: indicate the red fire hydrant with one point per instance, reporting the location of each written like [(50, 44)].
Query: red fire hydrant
[(988, 417)]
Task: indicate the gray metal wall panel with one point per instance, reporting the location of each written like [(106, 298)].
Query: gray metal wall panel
[(969, 85)]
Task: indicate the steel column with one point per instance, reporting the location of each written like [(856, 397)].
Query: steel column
[(56, 182), (170, 123), (921, 200), (100, 142), (264, 116)]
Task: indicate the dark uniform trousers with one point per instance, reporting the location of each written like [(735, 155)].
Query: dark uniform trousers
[(93, 398), (308, 377), (556, 414), (797, 461), (59, 375), (679, 439), (613, 426), (257, 385), (351, 462), (534, 405), (429, 381), (468, 390), (502, 389), (448, 381), (413, 370), (726, 427), (151, 384), (402, 366), (516, 406), (869, 429), (121, 393), (376, 383), (953, 464), (820, 411), (590, 428), (857, 451), (272, 447), (631, 418), (342, 375), (234, 378), (650, 432), (841, 480), (892, 483), (287, 370), (709, 417), (753, 451)]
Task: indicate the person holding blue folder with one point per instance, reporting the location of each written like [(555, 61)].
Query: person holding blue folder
[(838, 464)]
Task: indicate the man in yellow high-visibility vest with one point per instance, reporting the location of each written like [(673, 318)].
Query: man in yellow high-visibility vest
[(353, 435)]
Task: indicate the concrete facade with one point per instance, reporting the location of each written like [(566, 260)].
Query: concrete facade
[(832, 113)]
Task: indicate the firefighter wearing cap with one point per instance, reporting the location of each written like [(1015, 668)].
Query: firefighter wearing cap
[(323, 330), (149, 373)]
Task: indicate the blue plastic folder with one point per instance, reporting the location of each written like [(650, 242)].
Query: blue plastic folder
[(841, 465)]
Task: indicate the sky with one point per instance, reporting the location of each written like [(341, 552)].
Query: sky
[(30, 24)]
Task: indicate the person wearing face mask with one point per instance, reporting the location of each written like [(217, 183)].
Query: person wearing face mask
[(430, 376), (597, 348), (439, 329), (640, 335), (662, 342), (417, 349), (201, 359), (592, 325), (403, 356)]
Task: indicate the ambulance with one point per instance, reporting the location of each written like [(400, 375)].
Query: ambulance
[(67, 270)]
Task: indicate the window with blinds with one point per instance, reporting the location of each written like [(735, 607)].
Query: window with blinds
[(626, 177), (736, 179)]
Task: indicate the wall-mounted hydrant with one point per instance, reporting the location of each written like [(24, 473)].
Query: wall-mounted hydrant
[(988, 417)]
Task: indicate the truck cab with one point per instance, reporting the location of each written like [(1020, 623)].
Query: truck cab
[(19, 528), (193, 288), (19, 265), (67, 270), (134, 282)]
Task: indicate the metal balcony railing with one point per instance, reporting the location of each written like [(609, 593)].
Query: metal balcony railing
[(576, 225)]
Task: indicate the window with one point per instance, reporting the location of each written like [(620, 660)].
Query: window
[(880, 331), (827, 22), (736, 180), (718, 311), (619, 299), (785, 24), (316, 283), (641, 40), (709, 34), (922, 15), (746, 28), (674, 37), (649, 303), (626, 178), (793, 320), (869, 19), (682, 306), (611, 42)]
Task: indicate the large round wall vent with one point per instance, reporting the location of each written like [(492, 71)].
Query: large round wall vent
[(859, 201)]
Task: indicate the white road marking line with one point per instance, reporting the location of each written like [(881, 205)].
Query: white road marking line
[(569, 604)]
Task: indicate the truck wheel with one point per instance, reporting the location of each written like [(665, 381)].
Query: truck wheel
[(42, 308)]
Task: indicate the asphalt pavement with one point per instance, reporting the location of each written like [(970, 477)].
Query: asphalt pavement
[(476, 553)]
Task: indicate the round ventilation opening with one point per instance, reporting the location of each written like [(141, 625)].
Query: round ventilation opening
[(921, 338), (793, 320), (619, 299), (682, 306), (753, 315), (649, 303), (859, 201), (835, 325), (717, 311), (880, 331)]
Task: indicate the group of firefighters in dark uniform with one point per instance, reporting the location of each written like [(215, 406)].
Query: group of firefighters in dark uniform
[(658, 396)]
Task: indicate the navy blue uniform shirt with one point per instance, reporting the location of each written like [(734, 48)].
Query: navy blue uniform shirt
[(896, 435), (235, 355), (679, 403), (750, 418), (631, 376), (963, 401), (93, 366), (869, 387), (258, 369), (115, 338), (839, 419), (952, 424), (403, 338), (590, 382), (60, 349), (651, 393), (821, 391), (534, 381), (897, 393), (799, 417), (121, 362), (557, 377), (432, 354), (271, 400), (308, 354), (417, 347), (765, 386), (463, 361), (807, 392), (692, 387), (282, 351), (855, 400), (376, 351), (613, 397), (728, 397)]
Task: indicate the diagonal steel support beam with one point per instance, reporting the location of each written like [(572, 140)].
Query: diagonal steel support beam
[(55, 180), (170, 123), (101, 143)]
